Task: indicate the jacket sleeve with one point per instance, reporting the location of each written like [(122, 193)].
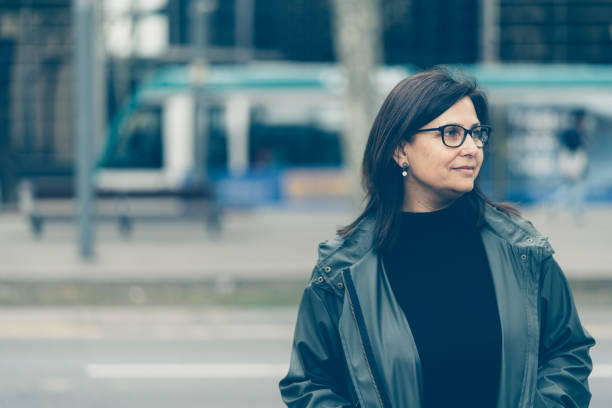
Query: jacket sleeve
[(317, 374), (564, 361)]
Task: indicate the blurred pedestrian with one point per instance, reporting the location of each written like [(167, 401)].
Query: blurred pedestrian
[(572, 163), (436, 296)]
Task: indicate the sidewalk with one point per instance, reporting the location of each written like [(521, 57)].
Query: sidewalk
[(266, 244)]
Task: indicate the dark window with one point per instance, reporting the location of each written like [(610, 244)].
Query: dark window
[(301, 30), (562, 31), (140, 142), (293, 145), (217, 138), (429, 32)]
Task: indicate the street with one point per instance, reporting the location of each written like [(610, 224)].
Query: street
[(142, 357), (185, 357)]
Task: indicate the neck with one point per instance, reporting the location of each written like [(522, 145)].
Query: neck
[(419, 201), (425, 205), (419, 198)]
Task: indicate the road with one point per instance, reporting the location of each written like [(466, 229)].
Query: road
[(184, 357), (142, 357)]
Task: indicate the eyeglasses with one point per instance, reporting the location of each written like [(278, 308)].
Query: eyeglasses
[(454, 135)]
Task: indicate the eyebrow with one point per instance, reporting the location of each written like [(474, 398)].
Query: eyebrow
[(458, 124)]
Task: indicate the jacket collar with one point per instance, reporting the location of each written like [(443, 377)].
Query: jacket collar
[(339, 253), (516, 231)]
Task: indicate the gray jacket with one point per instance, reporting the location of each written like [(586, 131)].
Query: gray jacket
[(353, 346)]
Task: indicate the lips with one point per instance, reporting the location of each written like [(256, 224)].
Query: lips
[(466, 170)]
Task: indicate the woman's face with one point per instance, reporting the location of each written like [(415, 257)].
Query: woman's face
[(437, 173)]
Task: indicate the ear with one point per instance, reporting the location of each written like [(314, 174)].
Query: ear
[(399, 155)]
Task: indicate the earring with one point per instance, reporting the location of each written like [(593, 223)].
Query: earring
[(404, 169)]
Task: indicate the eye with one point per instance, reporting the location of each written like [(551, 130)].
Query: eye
[(452, 131), (481, 133)]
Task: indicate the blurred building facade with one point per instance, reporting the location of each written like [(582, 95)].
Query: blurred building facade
[(140, 37), (35, 71)]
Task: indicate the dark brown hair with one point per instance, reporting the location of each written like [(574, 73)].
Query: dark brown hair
[(414, 102)]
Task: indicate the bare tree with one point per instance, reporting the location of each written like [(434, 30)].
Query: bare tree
[(358, 46)]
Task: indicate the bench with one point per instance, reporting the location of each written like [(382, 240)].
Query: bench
[(47, 199)]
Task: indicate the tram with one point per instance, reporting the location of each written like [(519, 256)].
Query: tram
[(272, 133)]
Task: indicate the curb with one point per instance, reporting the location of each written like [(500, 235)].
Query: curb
[(210, 292), (237, 292)]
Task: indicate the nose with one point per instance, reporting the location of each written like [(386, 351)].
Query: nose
[(469, 147)]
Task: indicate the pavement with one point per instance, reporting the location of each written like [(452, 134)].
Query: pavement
[(261, 245), (271, 243)]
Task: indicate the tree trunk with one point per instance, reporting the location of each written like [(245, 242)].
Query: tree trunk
[(358, 47)]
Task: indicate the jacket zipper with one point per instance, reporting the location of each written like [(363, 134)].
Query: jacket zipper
[(365, 356)]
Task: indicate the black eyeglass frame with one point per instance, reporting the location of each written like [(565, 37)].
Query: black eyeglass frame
[(465, 133)]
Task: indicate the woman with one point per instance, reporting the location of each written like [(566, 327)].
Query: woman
[(435, 296)]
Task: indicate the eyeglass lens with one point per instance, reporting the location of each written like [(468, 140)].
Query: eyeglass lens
[(453, 135)]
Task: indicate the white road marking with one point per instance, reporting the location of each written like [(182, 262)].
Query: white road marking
[(602, 371), (161, 331), (221, 371), (169, 371)]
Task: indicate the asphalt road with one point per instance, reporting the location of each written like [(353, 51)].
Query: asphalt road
[(158, 357), (142, 357)]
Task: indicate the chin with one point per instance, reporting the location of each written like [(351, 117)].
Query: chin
[(463, 188)]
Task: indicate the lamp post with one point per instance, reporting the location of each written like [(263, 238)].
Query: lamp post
[(83, 102)]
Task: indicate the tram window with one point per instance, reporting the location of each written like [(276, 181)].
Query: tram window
[(139, 144), (293, 145), (217, 138)]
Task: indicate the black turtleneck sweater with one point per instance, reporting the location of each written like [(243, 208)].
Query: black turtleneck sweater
[(441, 278)]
